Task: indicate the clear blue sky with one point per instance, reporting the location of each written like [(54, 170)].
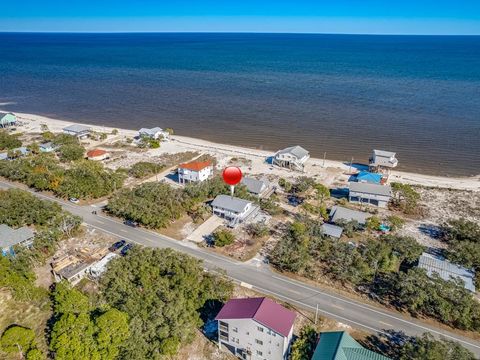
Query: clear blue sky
[(323, 16)]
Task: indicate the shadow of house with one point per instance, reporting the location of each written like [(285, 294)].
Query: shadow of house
[(357, 166)]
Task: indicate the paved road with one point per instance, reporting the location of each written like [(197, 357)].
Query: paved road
[(262, 279)]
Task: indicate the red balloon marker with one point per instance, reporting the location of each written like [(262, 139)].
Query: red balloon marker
[(232, 175)]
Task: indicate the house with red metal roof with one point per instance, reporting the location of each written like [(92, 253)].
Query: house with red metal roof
[(194, 171), (98, 155), (255, 328)]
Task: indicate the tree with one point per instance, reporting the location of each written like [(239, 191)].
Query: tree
[(68, 300), (373, 223), (285, 185), (143, 169), (322, 193), (17, 339), (426, 347), (112, 331), (34, 148), (395, 222), (258, 230), (71, 152), (406, 247), (463, 237), (169, 131), (8, 142), (304, 346), (43, 127), (115, 132), (405, 198), (222, 238)]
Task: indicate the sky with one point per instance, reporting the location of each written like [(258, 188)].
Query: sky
[(453, 17)]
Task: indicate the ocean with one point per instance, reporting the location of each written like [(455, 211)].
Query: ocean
[(341, 94)]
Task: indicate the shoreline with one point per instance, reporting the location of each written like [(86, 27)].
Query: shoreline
[(315, 167)]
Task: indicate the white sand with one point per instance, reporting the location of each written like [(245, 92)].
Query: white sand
[(330, 173)]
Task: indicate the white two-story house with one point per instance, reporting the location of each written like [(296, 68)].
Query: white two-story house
[(195, 171), (293, 157), (233, 209), (373, 194), (255, 328), (383, 159)]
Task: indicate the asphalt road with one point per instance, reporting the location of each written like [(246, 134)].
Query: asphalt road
[(261, 278)]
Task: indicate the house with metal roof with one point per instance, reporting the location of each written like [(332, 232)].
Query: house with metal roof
[(7, 120), (332, 230), (255, 187), (255, 328), (447, 270), (233, 209), (372, 194), (293, 157), (18, 152), (339, 345), (369, 177), (154, 133), (195, 171), (47, 147), (339, 213), (98, 155), (383, 159), (11, 237), (78, 130)]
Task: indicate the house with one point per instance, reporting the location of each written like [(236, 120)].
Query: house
[(18, 152), (233, 209), (7, 120), (154, 133), (366, 193), (293, 157), (10, 237), (446, 270), (47, 147), (80, 131), (332, 230), (195, 171), (255, 328), (256, 187), (98, 155), (338, 213), (339, 345), (369, 177), (383, 159), (99, 267)]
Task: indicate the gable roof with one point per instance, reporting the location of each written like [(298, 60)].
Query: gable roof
[(10, 237), (332, 230), (46, 145), (374, 189), (340, 213), (253, 185), (446, 270), (339, 345), (77, 128), (151, 131), (365, 176), (230, 203), (7, 119), (384, 153), (263, 310), (296, 151), (195, 165)]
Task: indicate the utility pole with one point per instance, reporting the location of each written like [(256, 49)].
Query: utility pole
[(324, 156), (316, 315), (350, 167)]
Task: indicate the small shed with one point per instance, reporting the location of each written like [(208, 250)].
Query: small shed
[(332, 230)]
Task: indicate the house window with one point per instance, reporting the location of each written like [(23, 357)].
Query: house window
[(223, 326), (260, 328), (223, 335), (259, 353), (259, 342), (237, 341), (235, 329)]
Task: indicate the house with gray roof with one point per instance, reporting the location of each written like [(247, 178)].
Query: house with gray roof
[(78, 130), (231, 208), (10, 237), (154, 133), (339, 213), (256, 187), (332, 230), (383, 159), (447, 270), (367, 193), (293, 157), (47, 147)]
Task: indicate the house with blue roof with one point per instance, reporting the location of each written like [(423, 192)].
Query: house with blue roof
[(369, 177)]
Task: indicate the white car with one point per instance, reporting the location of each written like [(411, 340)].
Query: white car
[(74, 200)]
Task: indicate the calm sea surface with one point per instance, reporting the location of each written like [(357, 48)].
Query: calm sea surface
[(340, 94)]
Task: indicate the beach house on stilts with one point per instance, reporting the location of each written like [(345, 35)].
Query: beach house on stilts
[(293, 157)]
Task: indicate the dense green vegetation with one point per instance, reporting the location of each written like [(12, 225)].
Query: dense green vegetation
[(19, 340), (83, 332), (304, 346), (163, 293), (222, 237), (144, 169), (8, 141), (426, 347), (405, 198), (84, 179)]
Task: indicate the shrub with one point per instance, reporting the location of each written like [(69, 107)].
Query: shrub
[(222, 238)]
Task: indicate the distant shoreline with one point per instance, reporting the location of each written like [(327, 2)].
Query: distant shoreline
[(314, 164)]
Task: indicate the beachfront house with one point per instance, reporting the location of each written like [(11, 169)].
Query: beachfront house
[(293, 157), (447, 270), (80, 131), (372, 194), (341, 214), (233, 209), (332, 230), (155, 133), (339, 345), (256, 187), (13, 154), (255, 328), (98, 155), (11, 237), (383, 159), (369, 177), (7, 120), (195, 171), (47, 147)]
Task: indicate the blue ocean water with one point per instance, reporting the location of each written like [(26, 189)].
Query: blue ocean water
[(340, 94)]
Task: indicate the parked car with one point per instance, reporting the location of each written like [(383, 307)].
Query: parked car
[(74, 200), (131, 223), (126, 249), (117, 245)]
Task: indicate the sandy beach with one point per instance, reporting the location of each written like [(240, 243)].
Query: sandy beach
[(327, 171)]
